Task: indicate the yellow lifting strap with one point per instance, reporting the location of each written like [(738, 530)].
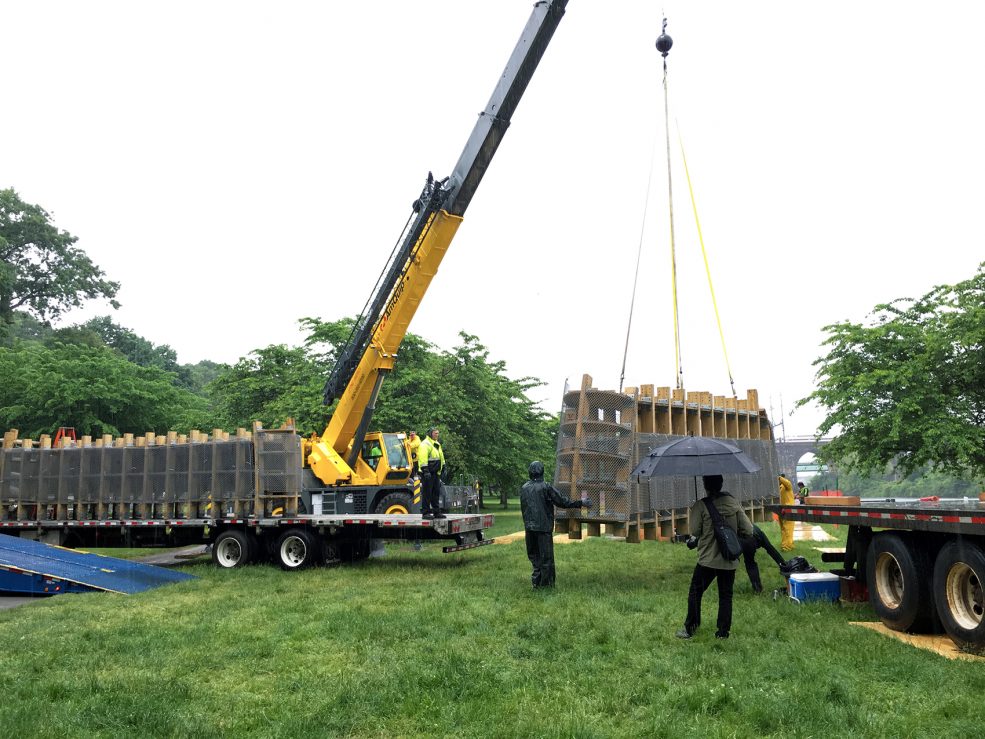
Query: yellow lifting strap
[(704, 254)]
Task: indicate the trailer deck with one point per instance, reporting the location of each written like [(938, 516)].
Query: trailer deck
[(953, 515), (454, 523)]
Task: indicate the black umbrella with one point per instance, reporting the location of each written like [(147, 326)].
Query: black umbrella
[(693, 456), (696, 455)]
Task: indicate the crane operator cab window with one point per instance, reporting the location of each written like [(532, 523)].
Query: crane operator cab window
[(372, 453), (396, 451)]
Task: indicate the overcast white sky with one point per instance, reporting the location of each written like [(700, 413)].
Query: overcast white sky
[(239, 165)]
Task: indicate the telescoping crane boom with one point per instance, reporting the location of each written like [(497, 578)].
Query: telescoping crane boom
[(368, 355)]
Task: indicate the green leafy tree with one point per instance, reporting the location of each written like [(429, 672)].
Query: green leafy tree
[(41, 272), (917, 484), (908, 387), (494, 430), (93, 389), (103, 331), (135, 348), (200, 374), (270, 385)]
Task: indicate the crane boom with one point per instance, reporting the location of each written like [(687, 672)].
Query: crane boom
[(370, 351)]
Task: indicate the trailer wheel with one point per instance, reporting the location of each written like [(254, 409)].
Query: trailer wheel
[(394, 503), (899, 577), (296, 550), (232, 549), (958, 576)]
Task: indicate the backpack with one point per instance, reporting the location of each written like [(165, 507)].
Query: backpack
[(795, 565), (725, 535)]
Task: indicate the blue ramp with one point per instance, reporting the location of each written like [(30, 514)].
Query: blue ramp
[(89, 571)]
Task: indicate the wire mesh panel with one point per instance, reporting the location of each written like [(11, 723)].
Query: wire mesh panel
[(91, 479), (19, 483), (134, 459), (49, 464), (112, 490), (200, 482), (179, 459), (157, 473), (70, 480), (595, 454), (234, 476), (278, 463)]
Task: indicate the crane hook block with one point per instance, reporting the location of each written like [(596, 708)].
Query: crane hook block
[(664, 42)]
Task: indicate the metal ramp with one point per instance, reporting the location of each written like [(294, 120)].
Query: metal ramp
[(30, 567)]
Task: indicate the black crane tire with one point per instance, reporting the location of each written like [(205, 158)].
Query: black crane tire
[(958, 576), (899, 578), (394, 504)]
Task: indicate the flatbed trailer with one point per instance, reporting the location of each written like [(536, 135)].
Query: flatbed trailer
[(923, 561), (294, 542)]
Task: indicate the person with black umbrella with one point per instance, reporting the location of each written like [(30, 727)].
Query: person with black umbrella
[(711, 564)]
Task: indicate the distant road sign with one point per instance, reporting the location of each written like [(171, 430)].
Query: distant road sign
[(812, 468)]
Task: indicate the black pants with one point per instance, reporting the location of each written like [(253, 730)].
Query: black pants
[(430, 493), (540, 552), (764, 543), (749, 547), (700, 581)]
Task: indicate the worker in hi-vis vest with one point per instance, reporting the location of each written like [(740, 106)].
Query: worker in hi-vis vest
[(786, 527), (414, 444), (431, 460)]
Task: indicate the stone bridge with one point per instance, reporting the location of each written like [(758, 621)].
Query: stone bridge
[(791, 449)]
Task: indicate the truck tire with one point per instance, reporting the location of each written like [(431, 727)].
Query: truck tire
[(394, 503), (297, 549), (958, 576), (231, 549), (899, 577)]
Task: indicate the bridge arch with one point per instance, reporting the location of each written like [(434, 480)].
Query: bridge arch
[(790, 450)]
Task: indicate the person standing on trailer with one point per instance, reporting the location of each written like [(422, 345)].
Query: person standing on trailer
[(415, 444), (537, 501), (786, 527), (431, 459)]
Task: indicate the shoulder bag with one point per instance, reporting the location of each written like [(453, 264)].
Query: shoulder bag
[(725, 535)]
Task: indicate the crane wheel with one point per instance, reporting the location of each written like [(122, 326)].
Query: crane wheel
[(394, 504)]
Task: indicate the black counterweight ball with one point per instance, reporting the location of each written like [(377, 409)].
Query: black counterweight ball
[(664, 42)]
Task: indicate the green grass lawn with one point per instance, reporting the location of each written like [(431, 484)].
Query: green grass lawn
[(418, 644)]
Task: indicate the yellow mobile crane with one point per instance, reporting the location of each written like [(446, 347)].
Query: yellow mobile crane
[(374, 467)]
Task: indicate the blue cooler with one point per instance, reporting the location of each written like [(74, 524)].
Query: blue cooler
[(806, 586)]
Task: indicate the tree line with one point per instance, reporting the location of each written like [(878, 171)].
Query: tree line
[(102, 378)]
